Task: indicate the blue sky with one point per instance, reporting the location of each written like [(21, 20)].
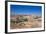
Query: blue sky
[(25, 9)]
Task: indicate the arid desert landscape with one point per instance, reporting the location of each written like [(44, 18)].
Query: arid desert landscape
[(25, 16), (25, 21)]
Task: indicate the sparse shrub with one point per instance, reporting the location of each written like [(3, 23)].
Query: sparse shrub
[(36, 17), (25, 19), (12, 21), (21, 19)]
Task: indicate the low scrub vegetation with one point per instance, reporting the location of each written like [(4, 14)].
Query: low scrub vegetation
[(19, 20)]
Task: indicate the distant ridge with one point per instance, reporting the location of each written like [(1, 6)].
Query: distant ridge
[(21, 15), (24, 15)]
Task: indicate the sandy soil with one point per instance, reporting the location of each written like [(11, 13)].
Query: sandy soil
[(33, 22)]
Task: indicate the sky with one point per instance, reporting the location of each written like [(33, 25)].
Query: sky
[(25, 10)]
